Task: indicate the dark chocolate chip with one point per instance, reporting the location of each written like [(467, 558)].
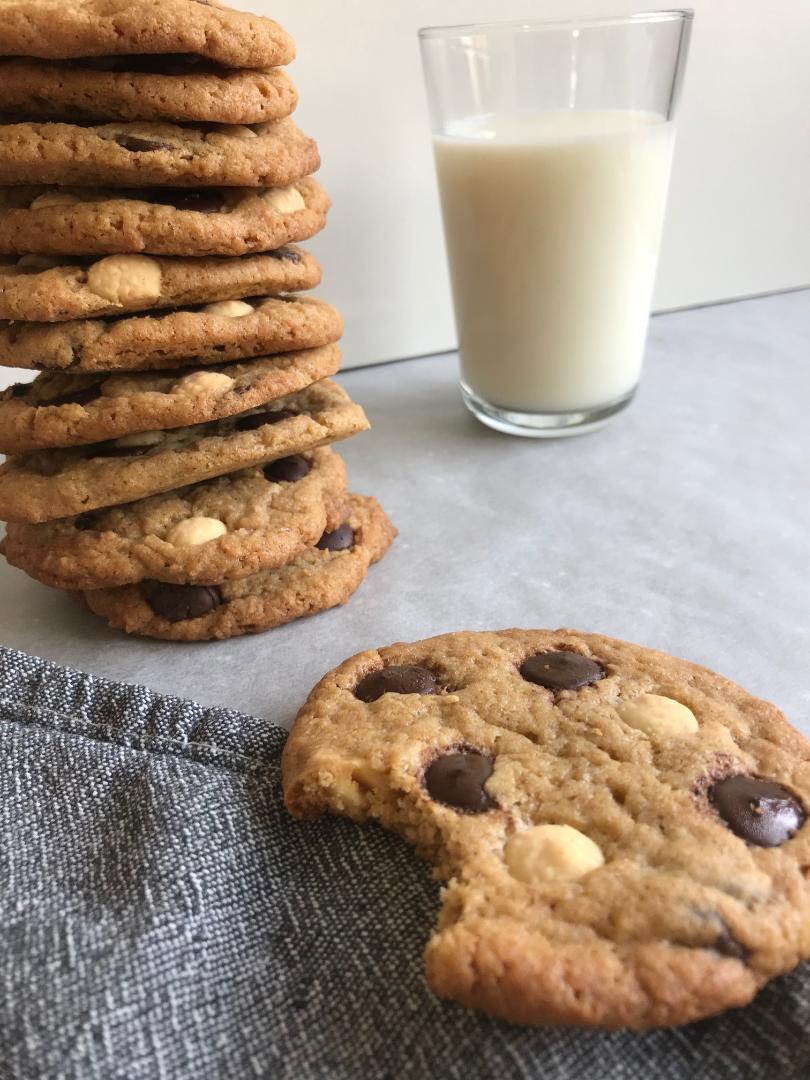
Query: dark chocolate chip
[(178, 602), (561, 670), (110, 450), (257, 420), (290, 469), (139, 145), (19, 389), (201, 201), (762, 812), (458, 780), (285, 255), (396, 679), (76, 397), (84, 522), (340, 539), (727, 945)]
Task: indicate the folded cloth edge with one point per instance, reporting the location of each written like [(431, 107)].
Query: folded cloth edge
[(39, 692)]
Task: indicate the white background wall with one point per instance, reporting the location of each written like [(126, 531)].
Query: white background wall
[(739, 214)]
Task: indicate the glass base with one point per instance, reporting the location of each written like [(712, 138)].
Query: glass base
[(553, 425)]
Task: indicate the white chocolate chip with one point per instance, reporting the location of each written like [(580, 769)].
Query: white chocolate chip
[(54, 198), (658, 717), (232, 309), (549, 853), (285, 200), (237, 131), (196, 530), (141, 438), (126, 279), (123, 386), (204, 382)]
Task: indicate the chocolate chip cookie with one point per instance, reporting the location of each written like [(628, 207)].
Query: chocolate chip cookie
[(320, 578), (72, 410), (48, 484), (43, 288), (623, 835), (173, 88), (223, 330), (53, 29), (248, 521), (273, 154), (160, 221)]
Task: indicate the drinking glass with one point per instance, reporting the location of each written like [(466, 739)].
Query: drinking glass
[(553, 146)]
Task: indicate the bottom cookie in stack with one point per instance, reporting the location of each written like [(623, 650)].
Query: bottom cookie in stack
[(231, 526), (233, 555)]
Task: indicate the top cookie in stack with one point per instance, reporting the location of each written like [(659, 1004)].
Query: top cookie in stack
[(152, 188), (166, 125)]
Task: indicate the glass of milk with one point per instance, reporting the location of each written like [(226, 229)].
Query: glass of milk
[(553, 146)]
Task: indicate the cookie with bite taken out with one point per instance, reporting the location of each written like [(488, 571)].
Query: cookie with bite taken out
[(623, 835)]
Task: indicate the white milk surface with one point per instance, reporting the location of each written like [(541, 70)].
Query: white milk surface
[(553, 224)]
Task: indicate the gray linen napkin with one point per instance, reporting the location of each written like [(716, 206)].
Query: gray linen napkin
[(163, 918)]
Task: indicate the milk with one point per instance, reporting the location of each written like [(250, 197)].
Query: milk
[(553, 225)]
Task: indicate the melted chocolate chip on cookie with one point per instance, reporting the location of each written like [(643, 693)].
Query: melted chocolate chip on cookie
[(84, 522), (458, 780), (75, 397), (762, 812), (288, 469), (138, 145), (340, 539), (178, 602), (727, 945), (285, 255), (396, 679), (200, 200), (257, 420), (561, 670)]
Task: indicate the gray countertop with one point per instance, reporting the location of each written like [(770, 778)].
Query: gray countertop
[(682, 526)]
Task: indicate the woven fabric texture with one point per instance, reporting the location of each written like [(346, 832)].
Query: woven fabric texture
[(164, 919)]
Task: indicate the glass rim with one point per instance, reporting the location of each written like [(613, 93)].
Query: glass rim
[(463, 29)]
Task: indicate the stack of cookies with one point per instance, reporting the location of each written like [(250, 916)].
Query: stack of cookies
[(171, 463)]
